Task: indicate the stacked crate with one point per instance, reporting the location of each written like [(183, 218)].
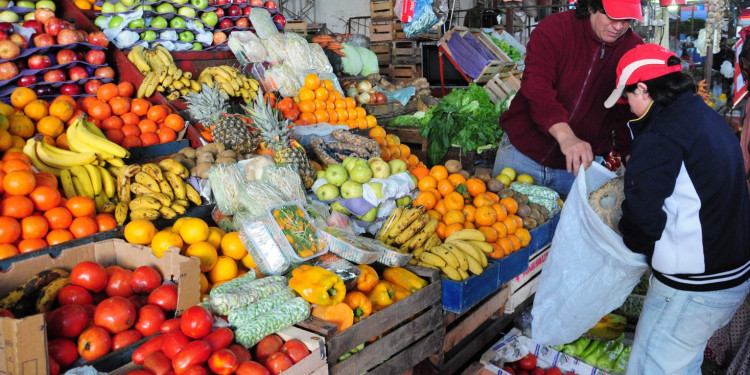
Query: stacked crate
[(383, 26)]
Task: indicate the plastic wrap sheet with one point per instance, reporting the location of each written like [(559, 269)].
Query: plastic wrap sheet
[(320, 60), (285, 178), (283, 79), (299, 55), (258, 237), (247, 45), (263, 24), (226, 184), (276, 47)]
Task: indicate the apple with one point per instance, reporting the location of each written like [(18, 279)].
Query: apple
[(148, 35), (8, 70), (55, 75), (403, 201), (121, 8), (39, 62), (33, 24), (226, 23), (186, 36), (7, 27), (200, 4), (336, 206), (28, 17), (137, 24), (44, 90), (198, 24), (222, 2), (351, 189), (166, 8), (246, 11), (104, 72), (115, 22), (20, 40), (349, 162), (65, 56), (21, 64), (219, 12), (43, 40), (377, 187), (327, 192), (234, 11), (197, 47), (95, 57), (3, 35), (186, 12), (256, 3), (177, 23), (77, 73), (380, 169), (270, 5), (67, 36), (242, 22), (279, 19), (43, 15), (101, 22), (219, 37), (130, 3), (210, 18), (26, 81), (336, 174), (370, 216), (413, 179), (145, 8), (159, 22), (320, 174), (91, 86), (54, 25), (397, 166), (70, 89), (9, 49), (239, 1), (98, 38), (361, 173)]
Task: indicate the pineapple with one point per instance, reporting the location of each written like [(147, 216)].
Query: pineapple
[(209, 108), (275, 135)]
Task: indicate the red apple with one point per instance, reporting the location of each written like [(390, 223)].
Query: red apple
[(279, 19), (98, 38), (26, 81), (239, 1), (270, 5), (65, 56), (67, 36), (44, 90), (43, 15), (20, 40), (219, 12), (3, 35), (234, 11), (95, 57), (82, 35), (246, 11), (91, 86), (222, 2), (256, 3), (39, 62), (55, 75), (226, 23), (6, 27), (70, 89), (54, 25), (78, 72), (43, 40), (33, 24), (9, 50), (242, 22), (219, 37), (8, 70), (104, 72)]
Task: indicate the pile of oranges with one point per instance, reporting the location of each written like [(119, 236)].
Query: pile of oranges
[(459, 203), (34, 214), (318, 101), (392, 148)]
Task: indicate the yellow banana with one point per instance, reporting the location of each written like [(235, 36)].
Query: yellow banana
[(446, 255), (171, 165), (29, 149), (167, 212), (139, 189), (154, 171), (193, 195), (462, 262), (144, 202), (404, 222), (139, 59), (431, 258), (392, 218), (82, 176), (62, 160), (426, 265), (466, 234), (79, 134), (108, 182), (177, 184), (96, 177), (421, 237), (121, 212), (161, 197), (144, 213), (463, 273), (144, 179), (412, 229), (66, 180), (180, 209), (116, 162), (470, 250), (432, 241), (452, 273), (484, 246)]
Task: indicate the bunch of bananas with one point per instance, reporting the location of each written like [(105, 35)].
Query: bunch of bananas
[(408, 228), (152, 190), (161, 73), (463, 252), (231, 80), (37, 295)]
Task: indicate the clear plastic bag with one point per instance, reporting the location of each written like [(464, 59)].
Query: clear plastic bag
[(283, 79), (276, 47), (319, 58), (262, 23), (261, 196), (347, 271), (247, 47), (299, 55), (285, 178), (226, 184), (252, 167), (257, 236)]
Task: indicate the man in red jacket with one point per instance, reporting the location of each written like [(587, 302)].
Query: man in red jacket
[(557, 120)]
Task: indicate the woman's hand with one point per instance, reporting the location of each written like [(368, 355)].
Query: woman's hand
[(576, 151)]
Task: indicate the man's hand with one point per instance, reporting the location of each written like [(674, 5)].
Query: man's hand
[(576, 151)]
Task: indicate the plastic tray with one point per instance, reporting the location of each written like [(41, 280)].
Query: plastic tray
[(353, 248), (261, 240), (287, 247), (392, 258)]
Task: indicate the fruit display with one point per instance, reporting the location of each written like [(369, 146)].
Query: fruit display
[(344, 145), (200, 160), (298, 231), (391, 148), (320, 102)]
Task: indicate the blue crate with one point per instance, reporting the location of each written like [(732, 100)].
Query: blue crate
[(541, 236), (459, 296), (513, 265)]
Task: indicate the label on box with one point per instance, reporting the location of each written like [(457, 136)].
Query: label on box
[(407, 11)]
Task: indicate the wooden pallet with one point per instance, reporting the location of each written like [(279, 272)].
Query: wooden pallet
[(382, 10), (296, 26), (407, 52), (385, 69), (406, 72), (384, 31), (382, 51), (410, 137)]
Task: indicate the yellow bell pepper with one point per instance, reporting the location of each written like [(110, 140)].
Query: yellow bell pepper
[(317, 285), (339, 314), (401, 292), (404, 278), (360, 304), (367, 279), (381, 296)]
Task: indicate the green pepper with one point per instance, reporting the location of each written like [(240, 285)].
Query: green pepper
[(594, 356), (621, 364), (317, 285), (589, 348), (607, 360)]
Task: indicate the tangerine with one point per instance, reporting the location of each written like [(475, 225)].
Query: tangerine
[(120, 105), (59, 218), (453, 200), (16, 206), (450, 229), (163, 240), (453, 216), (225, 269), (29, 245), (81, 206), (475, 186), (174, 122), (10, 230), (105, 221), (205, 252), (113, 122), (140, 231), (22, 96), (45, 198), (490, 234), (157, 113), (19, 182), (125, 89), (7, 251), (485, 216), (106, 92), (510, 204), (469, 212), (140, 106), (83, 226), (312, 81), (58, 236), (62, 109), (193, 230), (426, 199), (36, 110), (456, 179)]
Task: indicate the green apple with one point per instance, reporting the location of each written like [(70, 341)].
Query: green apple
[(180, 2), (327, 192), (397, 166), (370, 216), (165, 8), (46, 4), (210, 18), (403, 202), (380, 169), (108, 8), (320, 174), (200, 4), (159, 22), (29, 16), (377, 187), (115, 22), (25, 4), (177, 23), (414, 179), (148, 35), (121, 8), (198, 24), (186, 12), (137, 24), (196, 46), (8, 16), (351, 189), (4, 3), (130, 3), (186, 36), (101, 21), (145, 8), (361, 173), (336, 174), (348, 162), (336, 206)]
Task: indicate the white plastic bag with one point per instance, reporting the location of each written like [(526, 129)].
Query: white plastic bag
[(589, 271)]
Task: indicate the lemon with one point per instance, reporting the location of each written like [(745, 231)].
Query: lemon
[(525, 178), (508, 171), (232, 246), (504, 179), (193, 230), (163, 240)]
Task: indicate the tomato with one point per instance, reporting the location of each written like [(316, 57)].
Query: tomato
[(528, 362), (4, 313), (537, 371), (195, 370), (295, 350), (150, 318), (99, 297), (140, 372), (93, 343), (138, 300), (145, 279), (151, 345), (223, 362), (63, 351), (113, 268), (74, 295), (252, 368), (90, 309), (509, 370), (173, 342), (196, 322), (553, 371), (68, 321), (165, 297), (157, 363), (194, 353), (170, 325), (278, 362), (54, 367), (116, 314), (125, 338), (267, 346), (89, 275), (243, 355), (220, 338), (119, 284)]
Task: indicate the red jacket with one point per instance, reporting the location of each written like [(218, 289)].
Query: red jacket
[(569, 74)]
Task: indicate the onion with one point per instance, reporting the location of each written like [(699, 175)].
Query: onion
[(363, 98), (364, 86)]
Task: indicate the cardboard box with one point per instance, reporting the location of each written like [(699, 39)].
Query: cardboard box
[(23, 342)]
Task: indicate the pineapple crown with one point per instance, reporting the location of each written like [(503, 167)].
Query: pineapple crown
[(273, 128), (207, 105)]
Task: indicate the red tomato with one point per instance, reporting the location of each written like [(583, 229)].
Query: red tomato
[(278, 362), (4, 313), (537, 371), (553, 371), (150, 346), (99, 297), (157, 363), (89, 275), (54, 367), (170, 325), (145, 279), (90, 309), (173, 342), (93, 343), (295, 350), (509, 370), (196, 322), (194, 353), (113, 268), (252, 368), (140, 372), (138, 300), (119, 284), (68, 321), (223, 362), (165, 297), (116, 314), (195, 370), (267, 346), (150, 318), (74, 295), (528, 362), (243, 355), (125, 338), (63, 351), (220, 338)]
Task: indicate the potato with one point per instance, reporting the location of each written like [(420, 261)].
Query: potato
[(188, 163), (189, 152), (202, 170), (453, 166), (226, 160), (227, 154), (494, 185), (205, 157)]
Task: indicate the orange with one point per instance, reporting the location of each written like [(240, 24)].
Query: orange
[(45, 198), (194, 230), (483, 200), (361, 113), (7, 251), (16, 155), (140, 231), (36, 110), (341, 104), (58, 236), (505, 243), (203, 283), (312, 81), (453, 200), (105, 221), (214, 236), (51, 126), (10, 230), (157, 113), (100, 110), (510, 205), (113, 122), (485, 216), (420, 172), (497, 251), (149, 138), (456, 179), (492, 195), (343, 116), (19, 182), (425, 199), (120, 105), (25, 246), (306, 106), (62, 109), (469, 225), (510, 224), (34, 227), (434, 215), (515, 241), (517, 219), (22, 96), (178, 224), (450, 229), (436, 193), (371, 121), (249, 263), (428, 182), (225, 269), (351, 114), (16, 165), (321, 115), (320, 105), (475, 186), (163, 240), (83, 226), (205, 252), (523, 236), (106, 92), (412, 161), (440, 207), (59, 218), (327, 83), (445, 187), (232, 246), (6, 140), (174, 122), (147, 126), (125, 89), (362, 125), (490, 233), (439, 172), (81, 206), (62, 141), (308, 117), (441, 230), (350, 103), (500, 210), (140, 106), (321, 93), (332, 116), (306, 94), (132, 130), (469, 212), (45, 179), (21, 125), (453, 216)]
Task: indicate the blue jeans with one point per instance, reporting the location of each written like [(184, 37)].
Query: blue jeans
[(558, 180), (675, 326)]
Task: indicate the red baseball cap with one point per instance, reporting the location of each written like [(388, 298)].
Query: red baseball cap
[(642, 63), (623, 9)]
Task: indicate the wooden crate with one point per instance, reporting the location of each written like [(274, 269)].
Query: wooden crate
[(384, 31), (382, 51), (296, 26), (525, 285), (410, 331), (382, 10), (385, 69), (502, 85), (411, 138), (405, 72), (407, 52)]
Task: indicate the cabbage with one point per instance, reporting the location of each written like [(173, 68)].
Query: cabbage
[(369, 61), (351, 63)]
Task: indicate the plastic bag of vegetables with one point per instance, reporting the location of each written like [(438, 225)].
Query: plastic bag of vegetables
[(319, 58), (263, 24), (226, 184), (299, 56), (351, 63)]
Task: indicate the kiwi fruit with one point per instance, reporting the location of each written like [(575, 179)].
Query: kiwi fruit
[(453, 166), (529, 223), (494, 185), (523, 210), (536, 215), (464, 173), (524, 198), (505, 193), (544, 211), (536, 206), (484, 176)]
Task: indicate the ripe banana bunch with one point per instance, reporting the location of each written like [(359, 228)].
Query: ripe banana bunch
[(408, 228), (92, 181), (161, 73), (231, 80), (38, 294), (153, 190), (456, 259)]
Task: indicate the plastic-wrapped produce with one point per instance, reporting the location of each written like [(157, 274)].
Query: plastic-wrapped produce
[(299, 55), (288, 314), (283, 79), (319, 58), (226, 184), (261, 196), (354, 248), (244, 316), (276, 47), (224, 303), (247, 47), (263, 24), (286, 179), (260, 238), (232, 284), (352, 63)]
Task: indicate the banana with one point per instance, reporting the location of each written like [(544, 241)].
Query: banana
[(31, 287), (144, 213), (123, 181), (48, 294), (417, 252), (161, 76), (195, 86), (167, 81), (144, 202), (80, 191), (466, 234), (139, 190), (139, 59), (470, 250), (121, 212), (426, 265), (185, 80), (108, 183), (96, 177), (66, 180), (433, 259), (177, 74), (193, 195), (165, 52), (421, 237), (116, 162), (446, 255), (462, 262), (78, 134), (180, 209), (161, 197), (62, 160), (253, 84), (484, 246), (82, 176), (474, 266), (144, 179), (405, 247), (167, 212), (463, 273), (432, 241), (392, 218), (408, 217), (99, 202), (29, 149), (452, 273), (177, 184), (109, 206), (153, 81), (98, 132), (182, 202), (187, 75), (178, 85), (412, 229), (171, 165)]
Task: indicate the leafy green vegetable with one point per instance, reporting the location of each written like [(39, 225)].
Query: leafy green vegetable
[(509, 50)]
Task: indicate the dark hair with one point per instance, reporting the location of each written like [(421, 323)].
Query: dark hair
[(665, 89), (585, 7), (745, 53)]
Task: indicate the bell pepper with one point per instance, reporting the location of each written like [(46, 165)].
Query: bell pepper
[(317, 285), (381, 296), (360, 304), (339, 314), (404, 278), (367, 278), (401, 292)]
